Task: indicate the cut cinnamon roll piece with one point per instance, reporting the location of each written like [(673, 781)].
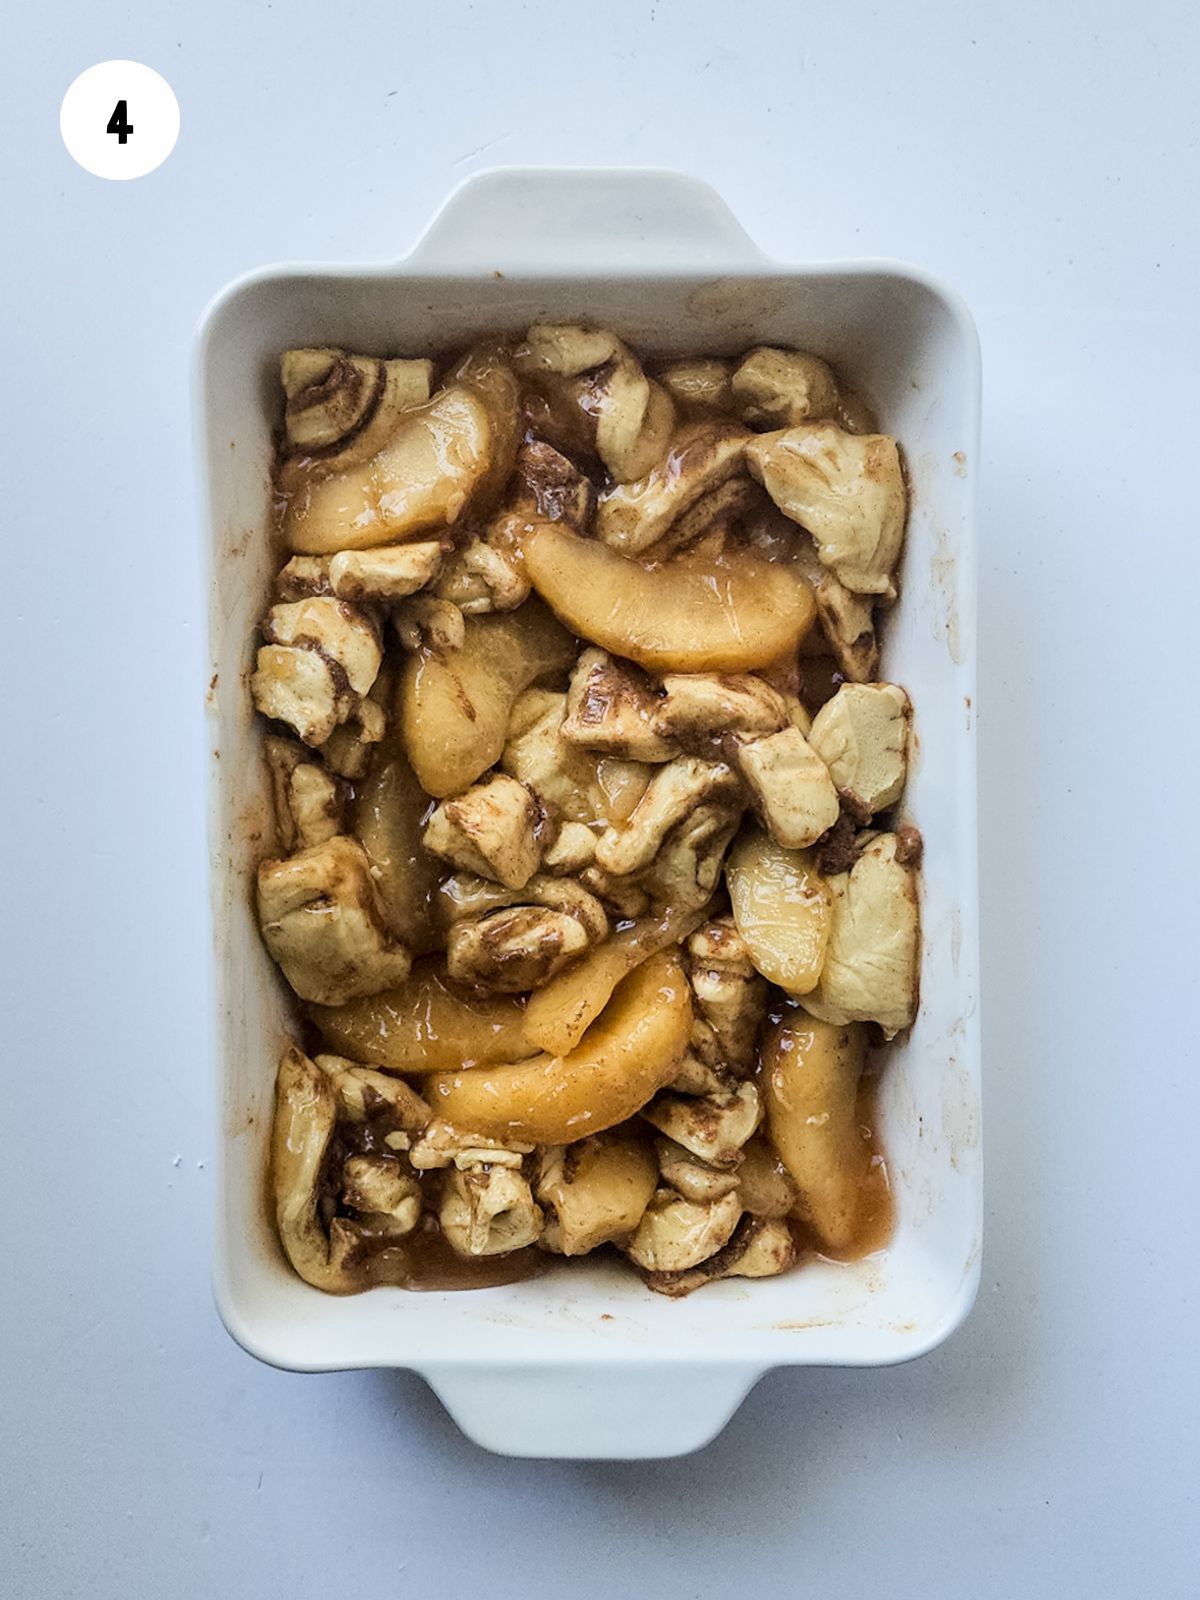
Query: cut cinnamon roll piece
[(342, 409)]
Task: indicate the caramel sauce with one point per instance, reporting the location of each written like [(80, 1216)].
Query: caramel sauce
[(422, 1259), (549, 412), (822, 678), (425, 1261), (772, 536)]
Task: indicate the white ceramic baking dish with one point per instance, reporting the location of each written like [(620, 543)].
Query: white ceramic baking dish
[(585, 1362)]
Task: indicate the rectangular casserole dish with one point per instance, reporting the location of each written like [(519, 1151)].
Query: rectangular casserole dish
[(586, 1362)]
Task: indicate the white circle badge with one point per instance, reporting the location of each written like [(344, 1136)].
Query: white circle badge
[(120, 119)]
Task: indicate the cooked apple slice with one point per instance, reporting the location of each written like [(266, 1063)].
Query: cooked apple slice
[(783, 910), (454, 705), (427, 1024), (622, 1061), (389, 811), (486, 371), (559, 1014), (811, 1072), (728, 613), (422, 478)]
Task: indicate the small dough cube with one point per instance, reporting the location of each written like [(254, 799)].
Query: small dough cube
[(610, 708), (322, 922), (322, 623), (698, 703), (862, 737), (779, 388), (492, 828), (389, 572), (307, 798), (303, 576), (296, 686), (573, 850), (792, 786)]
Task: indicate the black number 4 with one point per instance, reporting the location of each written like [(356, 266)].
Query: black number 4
[(118, 123)]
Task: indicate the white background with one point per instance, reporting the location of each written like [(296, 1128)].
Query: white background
[(1044, 159)]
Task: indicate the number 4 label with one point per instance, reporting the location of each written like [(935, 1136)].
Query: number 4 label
[(103, 108), (119, 122)]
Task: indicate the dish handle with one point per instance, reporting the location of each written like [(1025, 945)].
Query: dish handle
[(543, 220), (620, 1412)]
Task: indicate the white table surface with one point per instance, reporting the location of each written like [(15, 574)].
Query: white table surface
[(1042, 158)]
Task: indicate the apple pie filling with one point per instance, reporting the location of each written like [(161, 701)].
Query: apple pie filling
[(589, 884)]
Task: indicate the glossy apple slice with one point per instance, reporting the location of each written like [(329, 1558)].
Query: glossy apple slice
[(389, 812), (811, 1072), (454, 705), (622, 1061), (421, 479), (560, 1013), (427, 1024), (783, 909), (727, 613), (486, 372)]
